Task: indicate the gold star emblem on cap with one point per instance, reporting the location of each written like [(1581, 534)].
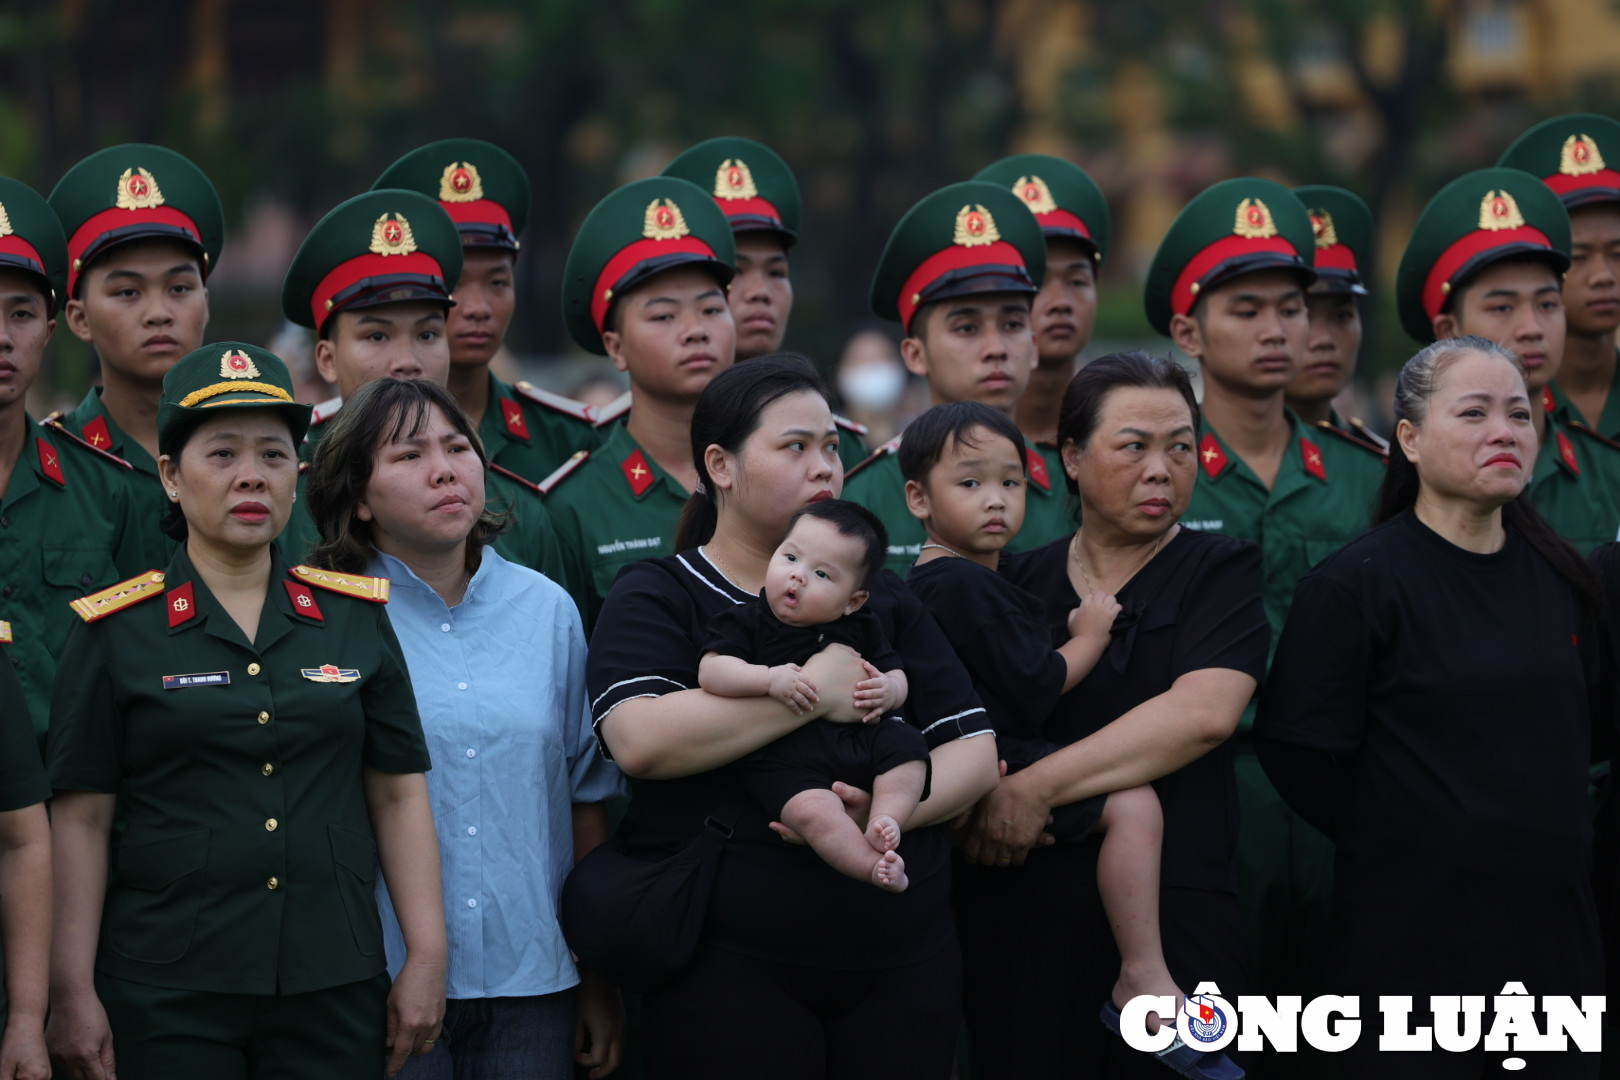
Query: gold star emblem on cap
[(1253, 221), (1498, 210), (391, 235), (138, 190), (5, 221), (975, 227), (664, 221), (733, 180), (1036, 195), (236, 364), (1322, 227), (1580, 157), (461, 183)]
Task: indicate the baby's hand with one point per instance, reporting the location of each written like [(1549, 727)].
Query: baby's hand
[(791, 688), (876, 694), (1094, 617)]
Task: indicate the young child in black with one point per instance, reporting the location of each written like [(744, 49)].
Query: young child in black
[(815, 586)]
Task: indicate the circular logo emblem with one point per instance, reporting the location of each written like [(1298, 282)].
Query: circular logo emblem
[(1499, 207), (1206, 1022), (137, 186), (393, 235), (665, 218), (734, 177), (975, 223), (1032, 193), (461, 180)]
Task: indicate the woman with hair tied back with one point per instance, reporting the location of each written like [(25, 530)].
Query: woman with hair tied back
[(1428, 710), (801, 972)]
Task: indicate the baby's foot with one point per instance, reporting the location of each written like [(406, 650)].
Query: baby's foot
[(883, 833), (889, 873)]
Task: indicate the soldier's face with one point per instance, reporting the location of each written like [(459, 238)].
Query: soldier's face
[(236, 477), (974, 348), (1136, 472), (1518, 305), (1330, 350), (426, 490), (24, 332), (143, 306), (1477, 443), (1249, 334), (477, 324), (761, 295), (393, 341), (674, 333), (1592, 286), (1065, 310)]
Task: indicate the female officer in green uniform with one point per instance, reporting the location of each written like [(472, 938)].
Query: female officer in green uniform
[(252, 725)]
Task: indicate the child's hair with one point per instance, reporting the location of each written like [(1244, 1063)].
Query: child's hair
[(855, 520), (926, 437)]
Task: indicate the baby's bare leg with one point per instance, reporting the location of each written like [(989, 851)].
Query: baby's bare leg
[(895, 795), (818, 815), (1128, 879)]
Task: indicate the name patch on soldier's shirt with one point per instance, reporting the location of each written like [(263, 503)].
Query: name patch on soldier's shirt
[(202, 678)]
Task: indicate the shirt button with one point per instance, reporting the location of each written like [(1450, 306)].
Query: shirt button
[(273, 883), (461, 686), (264, 718), (270, 824), (445, 627), (268, 769), (471, 752), (5, 522), (472, 830), (253, 669), (84, 580), (7, 591), (472, 903)]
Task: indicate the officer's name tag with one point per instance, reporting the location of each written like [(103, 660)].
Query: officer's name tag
[(202, 678)]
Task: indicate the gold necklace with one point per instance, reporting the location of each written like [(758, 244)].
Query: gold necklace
[(1074, 552)]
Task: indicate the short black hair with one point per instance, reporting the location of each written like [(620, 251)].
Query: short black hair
[(855, 520), (927, 436)]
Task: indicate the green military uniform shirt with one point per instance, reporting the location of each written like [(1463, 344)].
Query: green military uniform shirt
[(1576, 486), (147, 502), (1049, 509), (1608, 424), (531, 431), (64, 531), (612, 507), (247, 863)]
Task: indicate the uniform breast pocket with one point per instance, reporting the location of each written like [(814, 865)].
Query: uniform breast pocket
[(153, 906), (354, 862), (78, 569)]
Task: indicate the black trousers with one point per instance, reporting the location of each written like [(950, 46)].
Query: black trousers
[(730, 1015)]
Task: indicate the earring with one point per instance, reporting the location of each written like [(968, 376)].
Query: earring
[(295, 496), (174, 493)]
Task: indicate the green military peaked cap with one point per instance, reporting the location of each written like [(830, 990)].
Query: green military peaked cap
[(641, 229), (968, 238), (1343, 228), (1064, 199), (136, 192), (31, 239), (1572, 155), (752, 184), (1235, 227), (383, 247), (482, 187), (226, 375), (1477, 219)]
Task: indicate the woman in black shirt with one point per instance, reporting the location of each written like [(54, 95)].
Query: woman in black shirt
[(1428, 710), (802, 972)]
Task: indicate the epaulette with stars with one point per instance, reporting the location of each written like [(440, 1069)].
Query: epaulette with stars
[(362, 586), (1356, 440), (890, 447), (53, 422), (563, 471), (98, 605), (555, 402)]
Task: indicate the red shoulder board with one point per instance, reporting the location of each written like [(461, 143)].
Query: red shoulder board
[(49, 463), (1355, 440), (1211, 456), (887, 448), (303, 600), (1311, 454), (638, 472), (54, 422), (1566, 454), (1036, 465), (612, 410), (565, 405), (512, 417), (361, 586), (515, 478), (849, 425), (563, 470), (182, 605)]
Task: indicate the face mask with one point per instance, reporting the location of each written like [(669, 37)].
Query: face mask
[(872, 387)]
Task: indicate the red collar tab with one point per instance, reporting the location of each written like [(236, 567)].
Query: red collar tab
[(1311, 454), (512, 415), (1036, 466), (1548, 404), (638, 472), (97, 434), (303, 600), (50, 463), (1566, 453), (1211, 456), (182, 605)]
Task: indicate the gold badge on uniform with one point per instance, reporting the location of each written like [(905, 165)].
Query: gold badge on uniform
[(5, 221), (460, 183), (391, 235), (5, 632), (664, 221), (732, 180), (138, 190), (1580, 156), (329, 673), (236, 364), (975, 227), (1498, 211), (1254, 221), (1322, 228), (1036, 195)]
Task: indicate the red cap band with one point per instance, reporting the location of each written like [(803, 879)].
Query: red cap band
[(16, 245), (1568, 185), (955, 257), (622, 263), (1337, 257), (478, 212), (1063, 219), (1182, 297), (755, 207), (98, 225), (344, 274), (1436, 285)]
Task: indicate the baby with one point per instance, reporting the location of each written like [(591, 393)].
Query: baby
[(815, 589)]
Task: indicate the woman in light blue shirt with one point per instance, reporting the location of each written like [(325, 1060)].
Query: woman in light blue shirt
[(497, 657)]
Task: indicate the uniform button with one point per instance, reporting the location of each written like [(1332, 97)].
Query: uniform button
[(472, 830), (270, 824), (472, 903), (16, 661), (471, 752), (445, 627), (268, 769), (7, 591), (264, 718), (5, 522), (84, 579), (273, 883), (461, 686), (253, 669)]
